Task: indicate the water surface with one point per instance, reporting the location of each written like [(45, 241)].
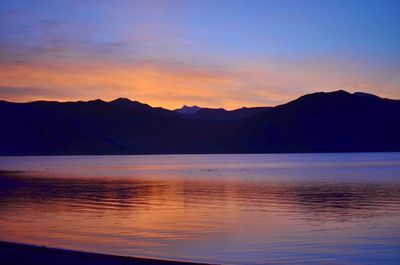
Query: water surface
[(233, 209)]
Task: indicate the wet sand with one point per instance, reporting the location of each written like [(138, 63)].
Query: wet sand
[(16, 254)]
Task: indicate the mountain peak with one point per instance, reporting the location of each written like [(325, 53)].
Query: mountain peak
[(121, 100), (364, 94), (96, 101), (126, 102), (188, 109)]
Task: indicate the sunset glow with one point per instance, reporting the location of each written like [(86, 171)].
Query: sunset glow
[(170, 53), (199, 132)]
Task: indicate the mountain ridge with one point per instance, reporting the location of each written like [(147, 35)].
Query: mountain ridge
[(319, 122)]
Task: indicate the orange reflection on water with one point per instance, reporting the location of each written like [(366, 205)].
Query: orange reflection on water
[(210, 210)]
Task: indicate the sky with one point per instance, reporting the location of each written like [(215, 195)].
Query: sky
[(209, 53)]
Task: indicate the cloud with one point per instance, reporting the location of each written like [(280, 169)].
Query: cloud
[(61, 59), (170, 85)]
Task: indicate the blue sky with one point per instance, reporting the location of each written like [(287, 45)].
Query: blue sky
[(212, 53)]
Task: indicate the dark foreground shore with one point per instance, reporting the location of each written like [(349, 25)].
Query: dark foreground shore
[(20, 254)]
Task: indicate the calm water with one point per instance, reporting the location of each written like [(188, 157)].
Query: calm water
[(235, 209)]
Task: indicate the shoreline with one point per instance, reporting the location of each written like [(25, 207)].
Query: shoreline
[(20, 254)]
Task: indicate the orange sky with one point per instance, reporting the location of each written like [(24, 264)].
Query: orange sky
[(170, 85)]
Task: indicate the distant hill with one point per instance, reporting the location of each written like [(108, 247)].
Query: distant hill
[(319, 122), (186, 110), (136, 105), (222, 114), (363, 94), (327, 122)]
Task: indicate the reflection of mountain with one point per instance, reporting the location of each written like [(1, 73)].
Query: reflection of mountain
[(320, 122), (321, 201), (346, 201)]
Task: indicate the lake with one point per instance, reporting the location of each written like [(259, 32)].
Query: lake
[(230, 209)]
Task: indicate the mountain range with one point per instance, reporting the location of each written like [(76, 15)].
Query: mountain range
[(199, 113), (320, 122)]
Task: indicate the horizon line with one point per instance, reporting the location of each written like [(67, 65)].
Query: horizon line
[(187, 105)]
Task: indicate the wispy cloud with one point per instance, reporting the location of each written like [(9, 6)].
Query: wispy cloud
[(153, 60), (172, 84)]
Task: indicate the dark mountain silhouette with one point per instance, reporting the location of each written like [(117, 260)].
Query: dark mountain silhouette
[(320, 122), (222, 114), (124, 102), (363, 94), (136, 105), (326, 122)]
